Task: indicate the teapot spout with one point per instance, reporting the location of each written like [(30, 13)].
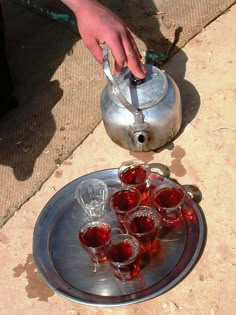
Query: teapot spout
[(141, 139)]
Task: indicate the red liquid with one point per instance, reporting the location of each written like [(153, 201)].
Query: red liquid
[(143, 228), (94, 240), (120, 253), (141, 224), (125, 200), (168, 197), (95, 236), (134, 175)]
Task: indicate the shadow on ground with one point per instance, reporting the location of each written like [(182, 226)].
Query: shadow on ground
[(36, 48)]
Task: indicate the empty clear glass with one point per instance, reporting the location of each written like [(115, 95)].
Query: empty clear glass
[(92, 195)]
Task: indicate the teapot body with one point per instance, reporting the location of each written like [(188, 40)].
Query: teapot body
[(158, 106)]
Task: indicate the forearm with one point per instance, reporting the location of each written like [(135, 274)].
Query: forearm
[(77, 5)]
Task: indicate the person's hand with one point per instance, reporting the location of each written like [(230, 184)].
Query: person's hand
[(98, 25)]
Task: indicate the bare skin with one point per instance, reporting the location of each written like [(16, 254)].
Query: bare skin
[(98, 25)]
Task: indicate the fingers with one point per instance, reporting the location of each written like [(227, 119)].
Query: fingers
[(95, 49), (133, 57), (124, 50), (119, 55), (133, 45)]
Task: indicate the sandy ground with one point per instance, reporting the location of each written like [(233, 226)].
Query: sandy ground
[(202, 155)]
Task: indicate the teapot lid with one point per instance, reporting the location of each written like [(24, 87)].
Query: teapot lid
[(143, 93)]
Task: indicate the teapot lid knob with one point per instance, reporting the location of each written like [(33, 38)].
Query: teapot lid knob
[(135, 80)]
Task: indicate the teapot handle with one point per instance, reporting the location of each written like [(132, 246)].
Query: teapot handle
[(138, 117)]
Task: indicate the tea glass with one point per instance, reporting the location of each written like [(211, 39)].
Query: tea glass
[(124, 200), (92, 195), (144, 223), (94, 237), (168, 200), (123, 255), (134, 173)]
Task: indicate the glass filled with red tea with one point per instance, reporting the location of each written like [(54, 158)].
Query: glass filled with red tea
[(134, 173), (168, 200), (95, 237), (123, 200), (123, 255), (144, 223)]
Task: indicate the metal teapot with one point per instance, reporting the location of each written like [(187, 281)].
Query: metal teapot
[(140, 114)]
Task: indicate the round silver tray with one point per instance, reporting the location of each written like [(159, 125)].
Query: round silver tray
[(67, 269)]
